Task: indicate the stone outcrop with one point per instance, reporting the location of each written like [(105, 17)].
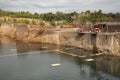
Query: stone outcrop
[(106, 43), (109, 44), (8, 29)]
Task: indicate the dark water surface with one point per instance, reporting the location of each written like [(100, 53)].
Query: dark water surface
[(31, 61)]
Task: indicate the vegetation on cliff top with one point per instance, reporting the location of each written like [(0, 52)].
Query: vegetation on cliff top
[(58, 18)]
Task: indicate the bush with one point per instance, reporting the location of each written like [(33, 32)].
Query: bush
[(41, 23), (33, 22), (1, 22), (52, 23), (5, 20), (67, 23), (15, 20), (26, 21)]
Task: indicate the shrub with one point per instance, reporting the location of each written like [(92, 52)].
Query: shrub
[(41, 23)]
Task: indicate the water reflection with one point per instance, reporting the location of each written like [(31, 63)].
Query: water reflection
[(109, 65), (22, 47), (35, 47), (7, 42), (7, 45), (102, 68)]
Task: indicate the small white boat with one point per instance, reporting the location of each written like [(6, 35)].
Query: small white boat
[(57, 64), (89, 60)]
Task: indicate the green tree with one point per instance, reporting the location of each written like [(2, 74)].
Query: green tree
[(96, 16), (36, 16), (59, 16)]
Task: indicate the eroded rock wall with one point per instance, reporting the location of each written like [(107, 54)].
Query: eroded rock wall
[(107, 43), (8, 29), (80, 40)]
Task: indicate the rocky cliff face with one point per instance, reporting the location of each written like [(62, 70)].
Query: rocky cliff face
[(107, 43), (81, 40), (8, 29)]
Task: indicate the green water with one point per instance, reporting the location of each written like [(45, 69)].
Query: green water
[(32, 61)]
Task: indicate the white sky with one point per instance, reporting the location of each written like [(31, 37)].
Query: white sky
[(43, 6)]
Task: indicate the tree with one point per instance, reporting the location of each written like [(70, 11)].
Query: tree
[(36, 16), (96, 16), (59, 16)]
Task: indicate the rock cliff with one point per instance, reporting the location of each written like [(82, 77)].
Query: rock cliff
[(106, 43)]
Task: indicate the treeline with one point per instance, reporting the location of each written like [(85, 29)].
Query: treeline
[(66, 18), (46, 16), (115, 16), (21, 14)]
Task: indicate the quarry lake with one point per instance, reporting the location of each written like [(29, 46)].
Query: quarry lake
[(33, 61)]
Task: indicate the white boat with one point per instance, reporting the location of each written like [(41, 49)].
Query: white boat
[(57, 64), (89, 59)]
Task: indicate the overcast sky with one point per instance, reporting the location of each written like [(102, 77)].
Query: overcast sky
[(43, 6)]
